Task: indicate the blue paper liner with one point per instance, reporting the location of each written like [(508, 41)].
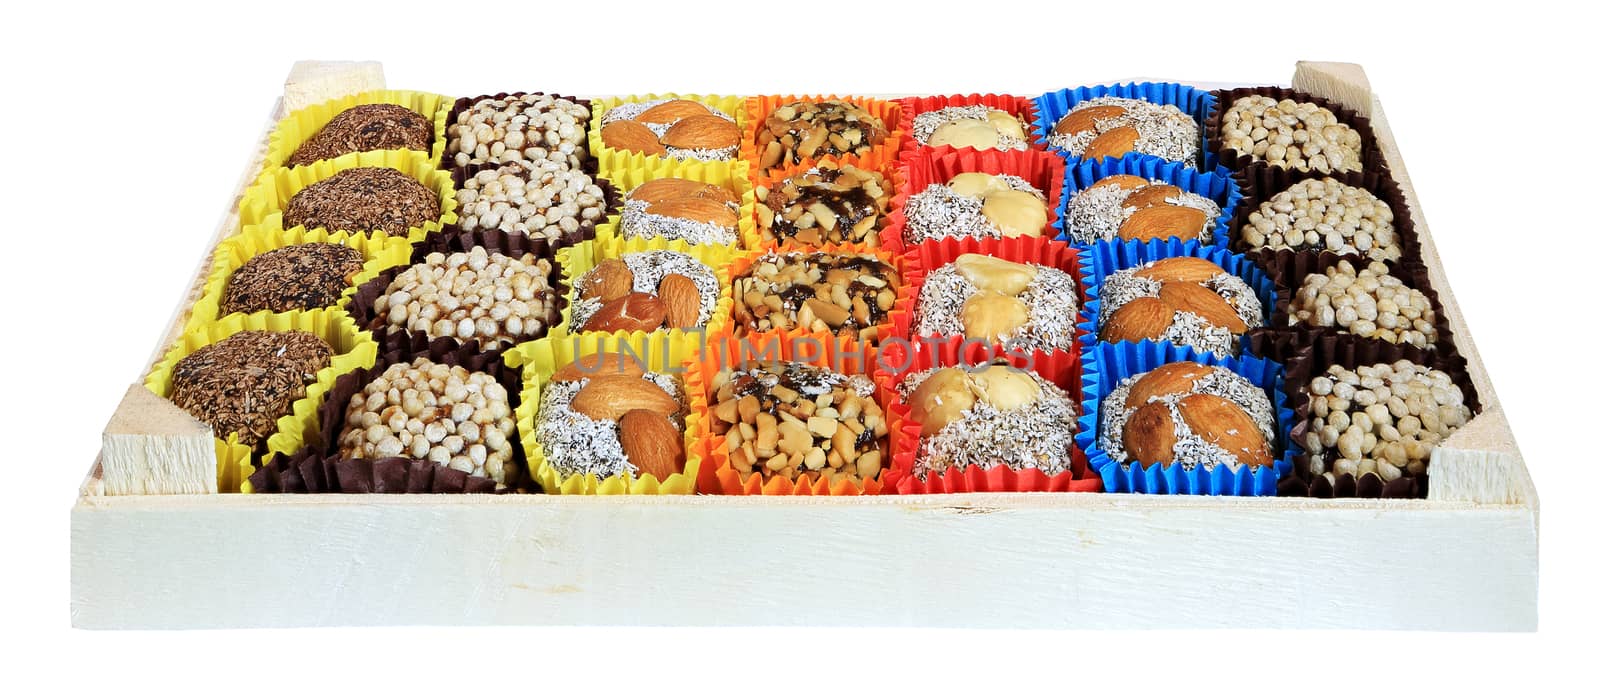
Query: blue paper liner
[(1050, 107), (1106, 258), (1219, 186), (1106, 364)]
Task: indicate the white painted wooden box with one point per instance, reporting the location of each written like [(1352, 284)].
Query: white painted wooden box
[(1466, 558)]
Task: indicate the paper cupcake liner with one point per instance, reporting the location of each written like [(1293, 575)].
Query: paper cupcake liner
[(1260, 184), (1372, 159), (612, 160), (1288, 269), (935, 166), (1050, 107), (577, 260), (1312, 356), (1020, 107), (660, 352), (879, 157), (448, 116), (586, 229), (318, 468), (739, 266), (1219, 186), (922, 260), (264, 202), (379, 249), (733, 175), (361, 304), (1107, 364), (297, 128), (721, 350), (353, 349), (1062, 368), (758, 236), (1107, 258)]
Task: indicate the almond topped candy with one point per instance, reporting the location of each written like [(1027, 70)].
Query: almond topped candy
[(604, 415), (805, 130), (974, 126), (989, 416), (976, 205), (1111, 127), (674, 208), (645, 292), (1020, 305), (790, 419), (1130, 208), (675, 128), (1185, 300), (1185, 413)]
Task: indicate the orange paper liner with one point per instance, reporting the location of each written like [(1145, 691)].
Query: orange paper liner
[(878, 157), (757, 236), (738, 266), (1020, 107), (1063, 368), (935, 166), (721, 350)]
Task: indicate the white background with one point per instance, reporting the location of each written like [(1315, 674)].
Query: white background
[(133, 123)]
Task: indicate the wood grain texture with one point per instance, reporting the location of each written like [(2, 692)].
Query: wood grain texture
[(151, 446)]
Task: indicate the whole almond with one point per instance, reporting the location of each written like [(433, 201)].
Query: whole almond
[(696, 209), (637, 311), (682, 299), (610, 396), (1163, 221), (1191, 297), (1222, 423), (1181, 269), (665, 188), (671, 111), (1112, 144), (705, 131), (1168, 379), (1150, 435), (1127, 182), (651, 443), (631, 136), (608, 281), (1144, 318), (1083, 119), (1151, 195), (597, 364)]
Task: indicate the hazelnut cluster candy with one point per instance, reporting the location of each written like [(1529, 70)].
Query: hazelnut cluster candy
[(841, 293), (544, 200), (788, 419), (1020, 305), (1188, 414), (521, 127), (1129, 207), (491, 297), (604, 415), (987, 417), (1111, 127), (434, 411), (1294, 135), (1382, 419), (974, 126), (805, 130), (679, 129), (1325, 214), (827, 204), (645, 292), (370, 127), (1371, 303), (976, 205), (1186, 300), (678, 209)]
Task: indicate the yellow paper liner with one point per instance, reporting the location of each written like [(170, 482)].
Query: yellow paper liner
[(353, 348), (891, 185), (378, 249), (575, 260), (613, 160), (721, 350), (742, 264), (879, 157), (264, 201), (665, 353), (294, 130), (731, 174)]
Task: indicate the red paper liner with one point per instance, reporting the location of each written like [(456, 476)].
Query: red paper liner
[(739, 266), (1259, 185), (1065, 369), (763, 239), (1309, 357), (922, 260), (935, 166), (590, 164), (586, 230), (317, 467), (878, 157), (1372, 159), (723, 350), (1288, 269), (452, 239), (1020, 107)]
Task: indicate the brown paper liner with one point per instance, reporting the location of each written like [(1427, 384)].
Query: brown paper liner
[(1259, 185), (586, 230), (317, 468), (590, 165), (1311, 355), (452, 240), (1372, 159)]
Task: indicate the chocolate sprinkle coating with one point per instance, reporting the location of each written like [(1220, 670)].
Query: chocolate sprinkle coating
[(245, 382), (363, 199), (375, 127), (304, 276)]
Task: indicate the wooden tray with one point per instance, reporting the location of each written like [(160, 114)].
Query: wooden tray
[(1466, 558)]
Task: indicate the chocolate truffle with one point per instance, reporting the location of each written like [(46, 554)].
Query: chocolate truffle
[(1020, 305), (434, 411), (685, 287), (363, 199), (1292, 135), (804, 130), (789, 419), (522, 127), (1185, 300), (1382, 418), (826, 204), (1370, 303), (245, 382), (303, 276), (639, 433), (678, 209), (1110, 127), (1324, 214), (988, 417), (976, 205), (374, 127), (1129, 207), (544, 200), (1188, 414), (491, 297), (840, 293)]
